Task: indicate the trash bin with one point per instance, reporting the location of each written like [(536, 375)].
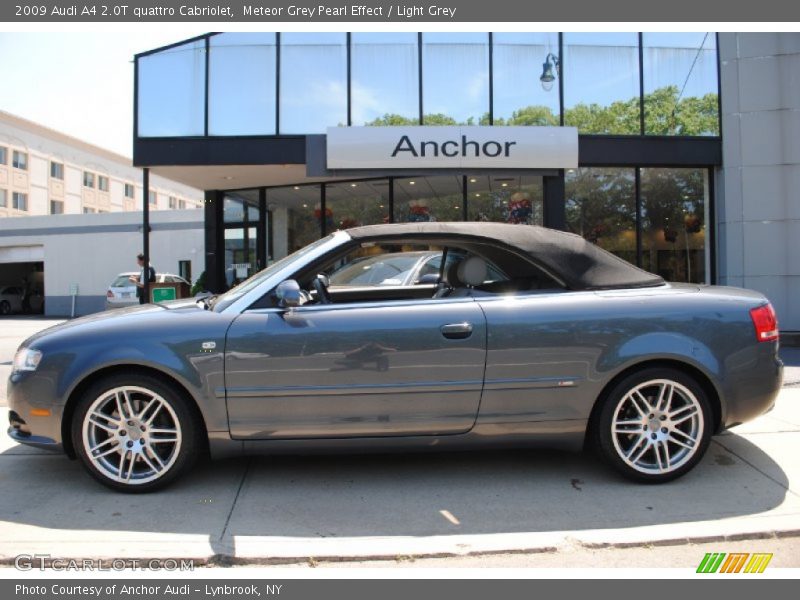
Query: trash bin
[(163, 292)]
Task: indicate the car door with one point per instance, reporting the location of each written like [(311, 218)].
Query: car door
[(387, 368)]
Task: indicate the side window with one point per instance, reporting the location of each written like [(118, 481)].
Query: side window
[(375, 265)]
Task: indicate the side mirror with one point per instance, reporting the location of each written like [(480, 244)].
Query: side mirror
[(289, 294)]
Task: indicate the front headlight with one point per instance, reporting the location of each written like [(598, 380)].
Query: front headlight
[(26, 359)]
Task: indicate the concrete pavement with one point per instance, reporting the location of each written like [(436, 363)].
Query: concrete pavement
[(287, 509)]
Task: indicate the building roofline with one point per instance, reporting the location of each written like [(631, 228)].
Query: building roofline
[(58, 136), (196, 38)]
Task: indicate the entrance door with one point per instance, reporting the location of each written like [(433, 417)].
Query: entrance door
[(409, 367), (241, 258)]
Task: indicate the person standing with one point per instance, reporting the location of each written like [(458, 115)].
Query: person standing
[(139, 281)]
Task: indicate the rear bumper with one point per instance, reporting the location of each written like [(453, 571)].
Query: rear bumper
[(753, 390), (122, 304)]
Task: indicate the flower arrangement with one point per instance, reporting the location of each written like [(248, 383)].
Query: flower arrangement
[(328, 217), (596, 232), (692, 223), (519, 209), (418, 212)]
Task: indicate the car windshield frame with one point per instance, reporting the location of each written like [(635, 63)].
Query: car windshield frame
[(239, 298)]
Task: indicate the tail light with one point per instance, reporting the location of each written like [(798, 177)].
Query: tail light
[(109, 294), (765, 322)]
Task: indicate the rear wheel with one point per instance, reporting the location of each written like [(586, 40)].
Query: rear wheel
[(5, 308), (655, 425), (135, 434)]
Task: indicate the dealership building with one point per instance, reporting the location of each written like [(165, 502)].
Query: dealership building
[(679, 152)]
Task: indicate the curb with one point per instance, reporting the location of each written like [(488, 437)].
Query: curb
[(244, 550)]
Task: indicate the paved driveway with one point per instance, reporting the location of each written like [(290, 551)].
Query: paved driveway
[(292, 508)]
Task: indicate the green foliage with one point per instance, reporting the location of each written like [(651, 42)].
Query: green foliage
[(665, 114), (199, 285)]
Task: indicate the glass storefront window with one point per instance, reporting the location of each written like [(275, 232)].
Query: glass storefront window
[(296, 218), (313, 93), (241, 91), (674, 204), (506, 198), (601, 207), (234, 206), (171, 87), (384, 79), (420, 199), (519, 98), (455, 75), (680, 83), (601, 82), (240, 254), (356, 203)]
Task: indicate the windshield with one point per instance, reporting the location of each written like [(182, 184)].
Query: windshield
[(122, 281), (233, 294)]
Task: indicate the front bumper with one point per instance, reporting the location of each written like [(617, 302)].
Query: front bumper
[(37, 441), (26, 392)]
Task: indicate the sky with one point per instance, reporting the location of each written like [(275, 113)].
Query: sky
[(78, 83)]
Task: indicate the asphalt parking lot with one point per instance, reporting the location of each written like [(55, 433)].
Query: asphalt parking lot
[(288, 509)]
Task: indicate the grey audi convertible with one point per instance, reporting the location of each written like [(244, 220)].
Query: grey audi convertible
[(520, 336)]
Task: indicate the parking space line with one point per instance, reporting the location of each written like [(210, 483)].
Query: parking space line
[(236, 497)]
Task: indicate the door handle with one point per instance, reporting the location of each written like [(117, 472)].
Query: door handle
[(457, 331)]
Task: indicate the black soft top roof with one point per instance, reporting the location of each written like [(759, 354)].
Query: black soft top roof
[(580, 264)]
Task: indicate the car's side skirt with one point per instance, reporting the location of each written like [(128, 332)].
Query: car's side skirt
[(561, 435)]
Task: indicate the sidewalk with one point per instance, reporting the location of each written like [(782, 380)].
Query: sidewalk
[(287, 509)]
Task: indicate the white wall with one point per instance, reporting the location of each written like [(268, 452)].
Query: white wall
[(759, 215), (90, 250)]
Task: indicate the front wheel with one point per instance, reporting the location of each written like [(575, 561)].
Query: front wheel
[(5, 308), (134, 434), (655, 425)]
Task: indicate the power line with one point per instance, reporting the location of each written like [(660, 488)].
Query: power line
[(694, 62)]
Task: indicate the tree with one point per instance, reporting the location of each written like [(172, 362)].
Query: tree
[(665, 114)]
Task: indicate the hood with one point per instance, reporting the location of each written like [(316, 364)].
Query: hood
[(117, 319)]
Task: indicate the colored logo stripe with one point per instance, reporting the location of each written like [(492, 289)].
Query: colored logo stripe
[(758, 563), (711, 562), (714, 562), (734, 562)]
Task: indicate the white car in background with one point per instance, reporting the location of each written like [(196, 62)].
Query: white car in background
[(11, 300), (122, 292)]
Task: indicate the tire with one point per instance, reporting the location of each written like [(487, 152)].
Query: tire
[(157, 442), (654, 426), (5, 308)]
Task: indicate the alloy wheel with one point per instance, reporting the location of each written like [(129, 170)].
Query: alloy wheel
[(131, 435), (657, 426)]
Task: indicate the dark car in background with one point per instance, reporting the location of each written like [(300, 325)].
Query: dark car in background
[(520, 336)]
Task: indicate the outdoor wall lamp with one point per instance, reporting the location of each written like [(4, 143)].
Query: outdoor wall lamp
[(549, 71)]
